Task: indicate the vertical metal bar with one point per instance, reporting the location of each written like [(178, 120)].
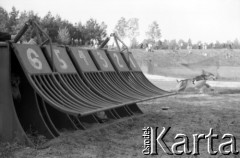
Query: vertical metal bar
[(115, 39), (22, 31), (50, 43)]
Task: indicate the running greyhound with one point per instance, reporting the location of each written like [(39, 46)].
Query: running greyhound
[(198, 82)]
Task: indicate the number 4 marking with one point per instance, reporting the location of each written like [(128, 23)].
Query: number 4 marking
[(82, 56)]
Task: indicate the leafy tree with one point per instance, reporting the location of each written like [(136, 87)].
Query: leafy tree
[(134, 43), (51, 25), (63, 35), (23, 18), (218, 45), (154, 32), (172, 44), (189, 42), (182, 44), (236, 44), (71, 29), (211, 45), (132, 28), (79, 32), (12, 22), (158, 44), (93, 30), (165, 44), (128, 29), (103, 27), (4, 19), (121, 28)]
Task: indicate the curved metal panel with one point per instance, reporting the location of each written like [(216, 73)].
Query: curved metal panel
[(119, 63), (82, 59), (101, 60), (31, 58), (130, 60), (61, 60)]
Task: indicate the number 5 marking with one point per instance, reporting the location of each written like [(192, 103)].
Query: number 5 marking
[(105, 64), (33, 59), (63, 63), (116, 56), (82, 56)]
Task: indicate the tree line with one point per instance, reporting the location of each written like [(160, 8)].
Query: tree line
[(64, 32), (59, 30), (129, 29), (181, 44)]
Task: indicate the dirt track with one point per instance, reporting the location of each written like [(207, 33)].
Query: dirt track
[(188, 114)]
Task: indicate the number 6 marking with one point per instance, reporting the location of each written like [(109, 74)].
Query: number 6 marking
[(63, 63), (33, 59), (82, 56), (116, 56), (101, 57)]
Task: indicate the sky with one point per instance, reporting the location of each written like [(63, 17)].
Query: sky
[(199, 20)]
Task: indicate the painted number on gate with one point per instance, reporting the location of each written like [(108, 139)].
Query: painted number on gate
[(82, 56), (63, 63), (33, 59), (132, 62), (102, 58), (116, 56)]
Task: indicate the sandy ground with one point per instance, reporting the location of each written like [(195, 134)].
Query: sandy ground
[(188, 113)]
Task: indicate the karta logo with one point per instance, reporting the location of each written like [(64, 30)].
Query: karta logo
[(153, 141)]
